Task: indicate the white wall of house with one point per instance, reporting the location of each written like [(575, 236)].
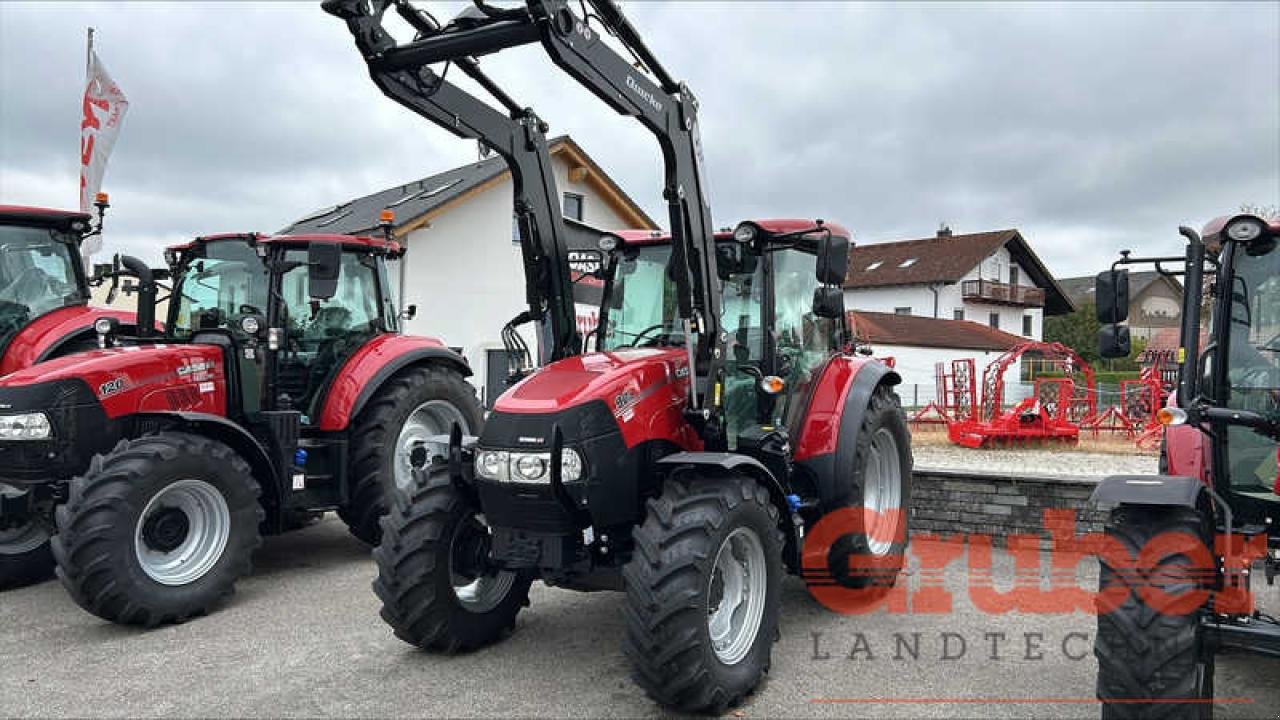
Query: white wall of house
[(464, 271), (917, 365), (920, 299)]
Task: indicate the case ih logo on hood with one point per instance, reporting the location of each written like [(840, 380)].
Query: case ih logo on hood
[(111, 387), (644, 94)]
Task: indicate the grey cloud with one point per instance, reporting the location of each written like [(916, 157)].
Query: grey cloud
[(1089, 127)]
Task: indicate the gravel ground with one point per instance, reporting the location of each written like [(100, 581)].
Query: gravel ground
[(1032, 462), (302, 638)]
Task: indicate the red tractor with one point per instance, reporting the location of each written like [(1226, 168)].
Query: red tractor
[(279, 388), (721, 417), (1175, 583), (44, 286)]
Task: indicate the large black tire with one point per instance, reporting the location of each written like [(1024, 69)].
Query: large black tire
[(854, 560), (671, 594), (109, 522), (415, 582), (25, 556), (374, 452), (1145, 653)]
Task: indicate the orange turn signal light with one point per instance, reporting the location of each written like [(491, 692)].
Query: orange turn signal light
[(772, 384), (1171, 416)]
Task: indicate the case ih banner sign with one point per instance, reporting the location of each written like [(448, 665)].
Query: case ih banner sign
[(104, 109)]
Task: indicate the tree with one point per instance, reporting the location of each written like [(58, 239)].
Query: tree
[(1077, 330)]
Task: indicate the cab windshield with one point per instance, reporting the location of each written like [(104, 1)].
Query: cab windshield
[(37, 275), (1253, 364), (642, 303), (224, 281)]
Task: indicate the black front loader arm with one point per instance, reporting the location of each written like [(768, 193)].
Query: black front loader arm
[(666, 108), (519, 138)]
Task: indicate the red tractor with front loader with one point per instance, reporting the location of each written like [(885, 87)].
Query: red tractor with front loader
[(1175, 585), (722, 415), (44, 286), (279, 388)]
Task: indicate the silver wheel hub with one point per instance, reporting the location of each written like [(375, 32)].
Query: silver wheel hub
[(413, 450), (182, 532), (478, 588), (736, 595), (882, 495), (23, 536)]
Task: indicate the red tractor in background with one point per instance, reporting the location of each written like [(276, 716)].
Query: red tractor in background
[(44, 286), (279, 388), (1175, 586), (722, 416)]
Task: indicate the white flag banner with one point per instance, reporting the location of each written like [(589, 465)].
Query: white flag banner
[(104, 108)]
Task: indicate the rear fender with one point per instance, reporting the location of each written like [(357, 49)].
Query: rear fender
[(1157, 490), (376, 362), (238, 439), (744, 465), (829, 438)]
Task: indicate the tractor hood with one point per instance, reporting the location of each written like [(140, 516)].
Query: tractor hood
[(641, 391), (131, 379), (26, 343)]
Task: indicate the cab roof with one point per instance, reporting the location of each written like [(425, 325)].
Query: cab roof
[(45, 217), (775, 226), (354, 241)]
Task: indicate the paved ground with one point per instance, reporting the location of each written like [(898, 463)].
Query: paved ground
[(303, 638), (1037, 461)]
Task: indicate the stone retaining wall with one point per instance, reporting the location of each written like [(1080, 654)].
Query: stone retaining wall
[(949, 502)]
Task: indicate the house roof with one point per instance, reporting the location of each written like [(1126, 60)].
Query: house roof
[(416, 202), (946, 258), (916, 331), (1080, 289)]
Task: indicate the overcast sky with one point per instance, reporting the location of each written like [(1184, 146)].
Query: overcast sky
[(1089, 127)]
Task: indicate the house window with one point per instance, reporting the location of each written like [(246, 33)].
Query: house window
[(573, 206), (902, 311), (1027, 325), (958, 314), (1013, 274), (994, 320), (908, 262), (874, 265)]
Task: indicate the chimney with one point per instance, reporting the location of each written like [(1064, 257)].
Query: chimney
[(944, 230)]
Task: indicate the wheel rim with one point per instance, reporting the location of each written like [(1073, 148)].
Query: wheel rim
[(736, 595), (882, 494), (434, 417), (477, 588), (182, 532), (21, 537)]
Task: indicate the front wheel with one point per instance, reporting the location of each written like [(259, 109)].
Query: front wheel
[(158, 530), (25, 557), (702, 592), (439, 590), (1152, 656)]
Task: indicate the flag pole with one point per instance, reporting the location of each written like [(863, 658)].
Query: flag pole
[(88, 55)]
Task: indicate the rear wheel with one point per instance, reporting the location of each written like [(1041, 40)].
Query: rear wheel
[(438, 589), (390, 439), (702, 592), (1150, 653), (872, 553), (158, 530), (24, 543)]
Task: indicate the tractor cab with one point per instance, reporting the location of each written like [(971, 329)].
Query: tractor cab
[(783, 320), (304, 303)]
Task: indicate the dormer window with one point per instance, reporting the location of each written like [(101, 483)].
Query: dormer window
[(874, 265), (908, 262)]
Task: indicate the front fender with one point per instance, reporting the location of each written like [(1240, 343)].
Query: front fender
[(372, 365), (235, 437), (1161, 490)]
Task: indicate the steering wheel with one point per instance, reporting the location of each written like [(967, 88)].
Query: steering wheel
[(636, 342)]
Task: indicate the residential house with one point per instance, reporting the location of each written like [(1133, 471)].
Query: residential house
[(462, 266), (1155, 301)]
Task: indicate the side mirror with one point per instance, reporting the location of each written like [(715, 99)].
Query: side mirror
[(828, 302), (324, 261), (833, 260), (1113, 341), (409, 312), (735, 259), (1111, 293)]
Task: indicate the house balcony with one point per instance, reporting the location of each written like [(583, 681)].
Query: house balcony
[(998, 293)]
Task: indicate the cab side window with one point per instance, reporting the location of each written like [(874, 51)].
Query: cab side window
[(804, 340)]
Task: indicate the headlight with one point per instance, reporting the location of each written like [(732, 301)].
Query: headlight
[(250, 324), (1244, 229), (30, 426), (744, 233), (521, 467), (607, 243), (104, 325)]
